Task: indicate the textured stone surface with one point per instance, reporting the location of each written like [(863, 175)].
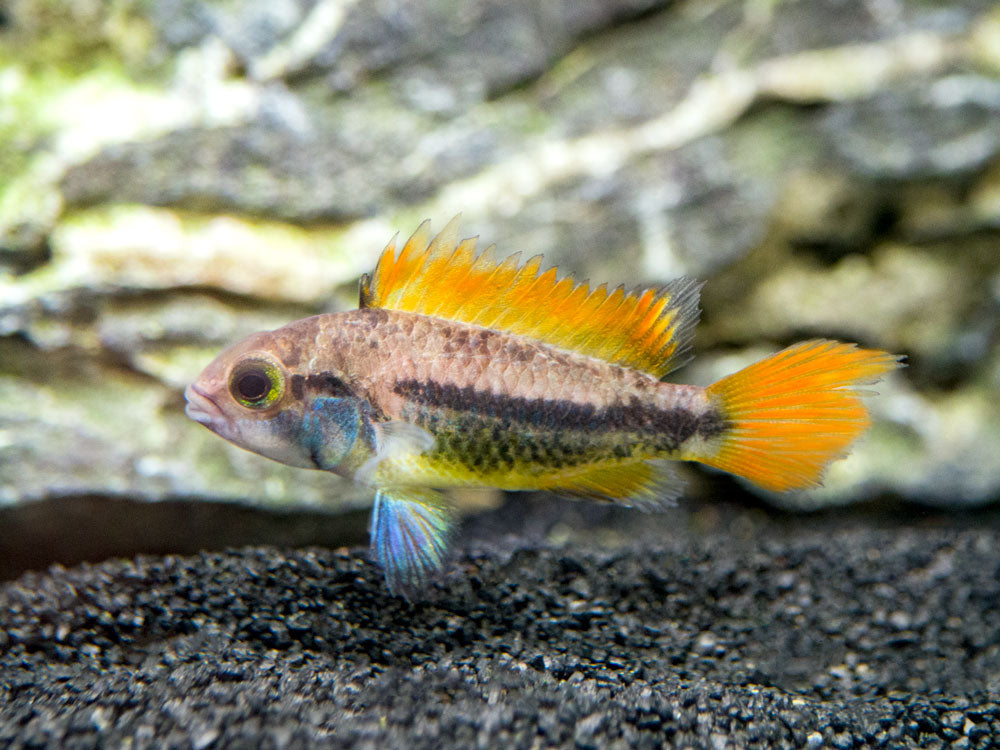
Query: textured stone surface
[(722, 628), (177, 174)]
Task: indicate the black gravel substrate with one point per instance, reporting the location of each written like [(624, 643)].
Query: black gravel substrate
[(723, 627)]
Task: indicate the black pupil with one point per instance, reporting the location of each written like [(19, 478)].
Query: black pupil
[(253, 385)]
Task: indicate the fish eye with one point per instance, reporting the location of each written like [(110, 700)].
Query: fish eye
[(253, 385), (256, 383)]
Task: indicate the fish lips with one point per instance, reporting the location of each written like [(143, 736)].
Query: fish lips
[(201, 408)]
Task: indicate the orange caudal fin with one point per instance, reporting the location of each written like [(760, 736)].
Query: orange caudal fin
[(795, 412)]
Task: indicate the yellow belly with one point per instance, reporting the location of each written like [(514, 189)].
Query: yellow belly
[(427, 471)]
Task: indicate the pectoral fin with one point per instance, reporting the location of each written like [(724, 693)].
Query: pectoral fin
[(410, 529), (393, 439)]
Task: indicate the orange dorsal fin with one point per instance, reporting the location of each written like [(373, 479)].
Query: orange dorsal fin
[(646, 329)]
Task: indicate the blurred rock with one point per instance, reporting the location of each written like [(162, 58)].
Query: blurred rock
[(180, 172), (476, 48), (23, 247), (957, 131)]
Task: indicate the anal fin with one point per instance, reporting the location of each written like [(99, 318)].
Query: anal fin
[(410, 530), (648, 485)]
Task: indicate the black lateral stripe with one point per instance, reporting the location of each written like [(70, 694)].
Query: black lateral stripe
[(328, 384), (673, 426), (298, 386), (325, 383)]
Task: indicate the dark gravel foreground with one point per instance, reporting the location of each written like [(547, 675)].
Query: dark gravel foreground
[(722, 627)]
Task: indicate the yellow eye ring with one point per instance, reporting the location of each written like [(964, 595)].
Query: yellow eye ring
[(257, 382)]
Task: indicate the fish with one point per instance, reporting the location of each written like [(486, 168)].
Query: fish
[(459, 369)]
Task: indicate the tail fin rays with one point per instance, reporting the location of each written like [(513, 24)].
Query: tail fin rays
[(795, 412)]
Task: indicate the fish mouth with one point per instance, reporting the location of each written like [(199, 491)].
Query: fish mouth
[(200, 406)]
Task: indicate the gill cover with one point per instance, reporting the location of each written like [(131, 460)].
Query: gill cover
[(341, 436), (333, 429)]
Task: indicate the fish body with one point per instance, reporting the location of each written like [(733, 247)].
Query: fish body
[(503, 411), (458, 370)]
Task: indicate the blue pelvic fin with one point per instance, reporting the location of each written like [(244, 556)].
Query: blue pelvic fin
[(410, 530)]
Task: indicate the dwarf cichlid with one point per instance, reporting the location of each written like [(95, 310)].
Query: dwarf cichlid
[(461, 370)]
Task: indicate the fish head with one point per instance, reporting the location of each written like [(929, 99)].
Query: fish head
[(245, 395)]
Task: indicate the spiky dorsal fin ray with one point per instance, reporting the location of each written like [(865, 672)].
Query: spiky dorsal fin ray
[(648, 329)]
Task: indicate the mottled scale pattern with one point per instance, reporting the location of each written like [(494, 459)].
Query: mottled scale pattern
[(507, 410)]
